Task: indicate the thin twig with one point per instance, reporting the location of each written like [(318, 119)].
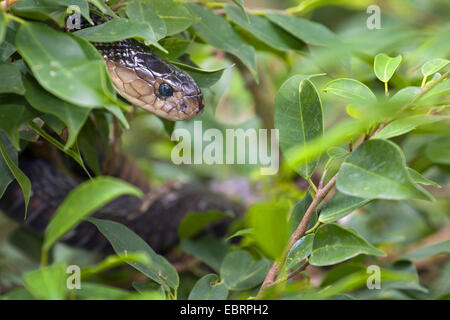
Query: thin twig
[(323, 178), (301, 229), (319, 198), (293, 273)]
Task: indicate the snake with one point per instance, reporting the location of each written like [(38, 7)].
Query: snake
[(149, 82), (146, 80)]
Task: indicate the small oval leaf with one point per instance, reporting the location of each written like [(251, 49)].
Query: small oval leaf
[(334, 244), (124, 241), (339, 206), (241, 272), (351, 89), (298, 117), (377, 169), (209, 288), (299, 251), (433, 66), (385, 66)]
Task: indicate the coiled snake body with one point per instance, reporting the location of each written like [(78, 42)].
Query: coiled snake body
[(149, 82)]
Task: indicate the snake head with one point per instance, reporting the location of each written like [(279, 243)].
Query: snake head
[(151, 83)]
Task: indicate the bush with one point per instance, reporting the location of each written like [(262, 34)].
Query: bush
[(361, 198)]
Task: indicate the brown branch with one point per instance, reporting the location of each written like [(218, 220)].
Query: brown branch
[(301, 229), (319, 198)]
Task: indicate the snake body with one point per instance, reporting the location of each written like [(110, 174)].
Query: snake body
[(149, 82)]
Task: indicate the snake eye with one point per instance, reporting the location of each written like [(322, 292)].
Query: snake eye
[(165, 90)]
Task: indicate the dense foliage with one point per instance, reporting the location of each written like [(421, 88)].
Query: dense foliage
[(364, 134)]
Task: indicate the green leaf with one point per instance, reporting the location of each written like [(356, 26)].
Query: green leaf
[(204, 78), (124, 240), (6, 177), (55, 10), (209, 288), (17, 294), (437, 94), (420, 179), (12, 117), (351, 89), (401, 126), (87, 148), (334, 244), (403, 98), (176, 16), (72, 115), (64, 65), (121, 29), (241, 233), (11, 79), (80, 203), (335, 157), (140, 11), (240, 4), (216, 31), (310, 32), (299, 211), (81, 4), (339, 134), (40, 10), (428, 251), (399, 277), (21, 178), (299, 251), (210, 250), (94, 291), (337, 153), (385, 66), (263, 29), (438, 150), (7, 48), (74, 153), (114, 261), (194, 222), (149, 285), (433, 66), (175, 47), (118, 113), (298, 117), (103, 7), (377, 169), (406, 270), (3, 25), (270, 221), (339, 206), (378, 224), (47, 283), (240, 272)]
